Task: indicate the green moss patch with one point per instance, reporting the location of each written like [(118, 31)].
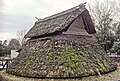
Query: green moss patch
[(60, 59)]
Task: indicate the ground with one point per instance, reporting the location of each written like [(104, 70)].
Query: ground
[(112, 76)]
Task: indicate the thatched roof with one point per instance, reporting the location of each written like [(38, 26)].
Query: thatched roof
[(61, 56), (51, 54), (57, 22)]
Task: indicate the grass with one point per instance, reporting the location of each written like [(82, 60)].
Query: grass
[(112, 76)]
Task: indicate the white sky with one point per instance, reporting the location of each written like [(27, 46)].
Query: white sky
[(16, 15)]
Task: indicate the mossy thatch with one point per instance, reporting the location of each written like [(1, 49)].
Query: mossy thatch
[(60, 46), (61, 56)]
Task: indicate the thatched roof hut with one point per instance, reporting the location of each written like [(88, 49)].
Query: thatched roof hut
[(62, 46), (61, 22)]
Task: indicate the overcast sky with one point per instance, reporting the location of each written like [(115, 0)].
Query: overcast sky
[(16, 15)]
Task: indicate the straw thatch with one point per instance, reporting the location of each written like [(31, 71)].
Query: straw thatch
[(60, 46), (60, 22)]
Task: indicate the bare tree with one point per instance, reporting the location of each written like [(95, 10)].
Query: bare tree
[(20, 36), (14, 44), (103, 15), (118, 9)]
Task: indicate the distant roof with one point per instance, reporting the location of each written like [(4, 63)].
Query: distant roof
[(55, 23)]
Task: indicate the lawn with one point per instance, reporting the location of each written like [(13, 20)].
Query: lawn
[(112, 76)]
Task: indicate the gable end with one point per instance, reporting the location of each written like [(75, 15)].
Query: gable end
[(89, 27)]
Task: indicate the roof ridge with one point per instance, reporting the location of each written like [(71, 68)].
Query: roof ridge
[(55, 22), (80, 7)]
